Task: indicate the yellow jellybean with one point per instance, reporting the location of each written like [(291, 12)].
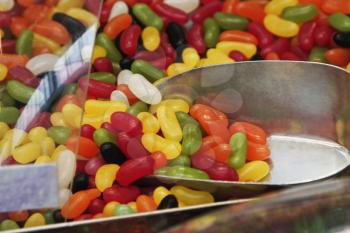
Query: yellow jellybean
[(94, 120), (47, 146), (253, 171), (3, 71), (108, 113), (109, 208), (35, 220), (57, 152), (177, 68), (105, 176), (133, 206), (17, 137), (247, 49), (190, 57), (27, 153), (348, 68), (37, 134), (99, 107), (216, 56), (169, 124), (190, 196), (150, 123), (42, 41), (276, 7), (5, 149), (72, 115), (177, 105), (3, 129), (57, 119), (153, 142), (82, 15), (159, 193), (280, 27), (64, 5), (150, 38), (98, 52), (43, 159)]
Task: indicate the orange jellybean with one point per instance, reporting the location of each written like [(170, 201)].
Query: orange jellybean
[(254, 133), (272, 56), (260, 2), (87, 147), (159, 160), (211, 141), (78, 203), (229, 6), (52, 30), (257, 151), (145, 203), (36, 13), (317, 3), (18, 24), (338, 56), (125, 89), (336, 6), (99, 215), (222, 152), (11, 60), (68, 99), (251, 10), (19, 216), (238, 35), (118, 24)]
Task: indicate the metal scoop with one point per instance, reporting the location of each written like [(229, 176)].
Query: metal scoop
[(304, 107)]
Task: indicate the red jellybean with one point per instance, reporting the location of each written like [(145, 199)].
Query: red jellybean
[(93, 165), (159, 160), (317, 3), (289, 56), (237, 56), (254, 133), (323, 35), (206, 11), (18, 24), (250, 10), (84, 217), (156, 58), (103, 64), (171, 13), (134, 169), (125, 89), (80, 166), (104, 15), (87, 131), (229, 6), (118, 24), (338, 56), (306, 35), (132, 148), (109, 127), (23, 75), (265, 38), (195, 38), (257, 151), (125, 122), (129, 40), (40, 120), (97, 88), (122, 195), (211, 141), (168, 49), (96, 206), (36, 13), (279, 46), (8, 46)]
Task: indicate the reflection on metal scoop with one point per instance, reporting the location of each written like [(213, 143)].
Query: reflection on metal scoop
[(303, 106)]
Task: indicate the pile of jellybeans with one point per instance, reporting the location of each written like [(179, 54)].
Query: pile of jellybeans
[(128, 131)]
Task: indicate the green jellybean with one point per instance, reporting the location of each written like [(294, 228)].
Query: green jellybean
[(59, 134), (150, 72), (230, 22), (104, 77), (8, 225), (102, 135), (116, 67), (181, 160), (300, 13), (192, 139), (48, 217), (137, 107), (185, 119), (340, 21), (6, 100), (19, 91), (24, 43), (317, 54), (70, 88), (180, 171), (211, 32), (123, 210), (147, 16), (9, 115), (238, 142), (112, 52)]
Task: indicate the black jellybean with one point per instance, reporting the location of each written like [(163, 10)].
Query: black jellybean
[(342, 39), (111, 153), (57, 216), (176, 34), (73, 26), (80, 182), (125, 63), (168, 202)]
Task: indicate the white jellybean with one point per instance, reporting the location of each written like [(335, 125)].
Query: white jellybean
[(118, 8), (66, 165), (144, 90), (120, 96), (185, 5), (123, 77), (63, 196), (42, 63), (6, 5)]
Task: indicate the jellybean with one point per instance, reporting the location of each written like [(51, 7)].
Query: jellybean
[(254, 133), (9, 115), (23, 75), (159, 193), (277, 6), (105, 176), (169, 124), (151, 38), (109, 208), (192, 139), (176, 35), (93, 164), (206, 11), (24, 43), (340, 22), (181, 160), (253, 171), (8, 225), (27, 153), (264, 37), (257, 151), (104, 77), (117, 25), (102, 64), (129, 39), (279, 46), (342, 39), (150, 123), (66, 166), (87, 18), (280, 27), (239, 36), (185, 5), (306, 36), (137, 108), (102, 136), (184, 119), (147, 70), (230, 22), (323, 35), (97, 88), (190, 196), (42, 63), (238, 143), (251, 10), (168, 202), (300, 13), (195, 38), (36, 219), (147, 16), (75, 28), (172, 13), (317, 54), (122, 195), (131, 146), (144, 90), (338, 56), (100, 106), (80, 182), (87, 147), (180, 171), (211, 32), (118, 8), (125, 122), (18, 91), (246, 48), (52, 30), (112, 52), (145, 203), (333, 6), (123, 210)]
